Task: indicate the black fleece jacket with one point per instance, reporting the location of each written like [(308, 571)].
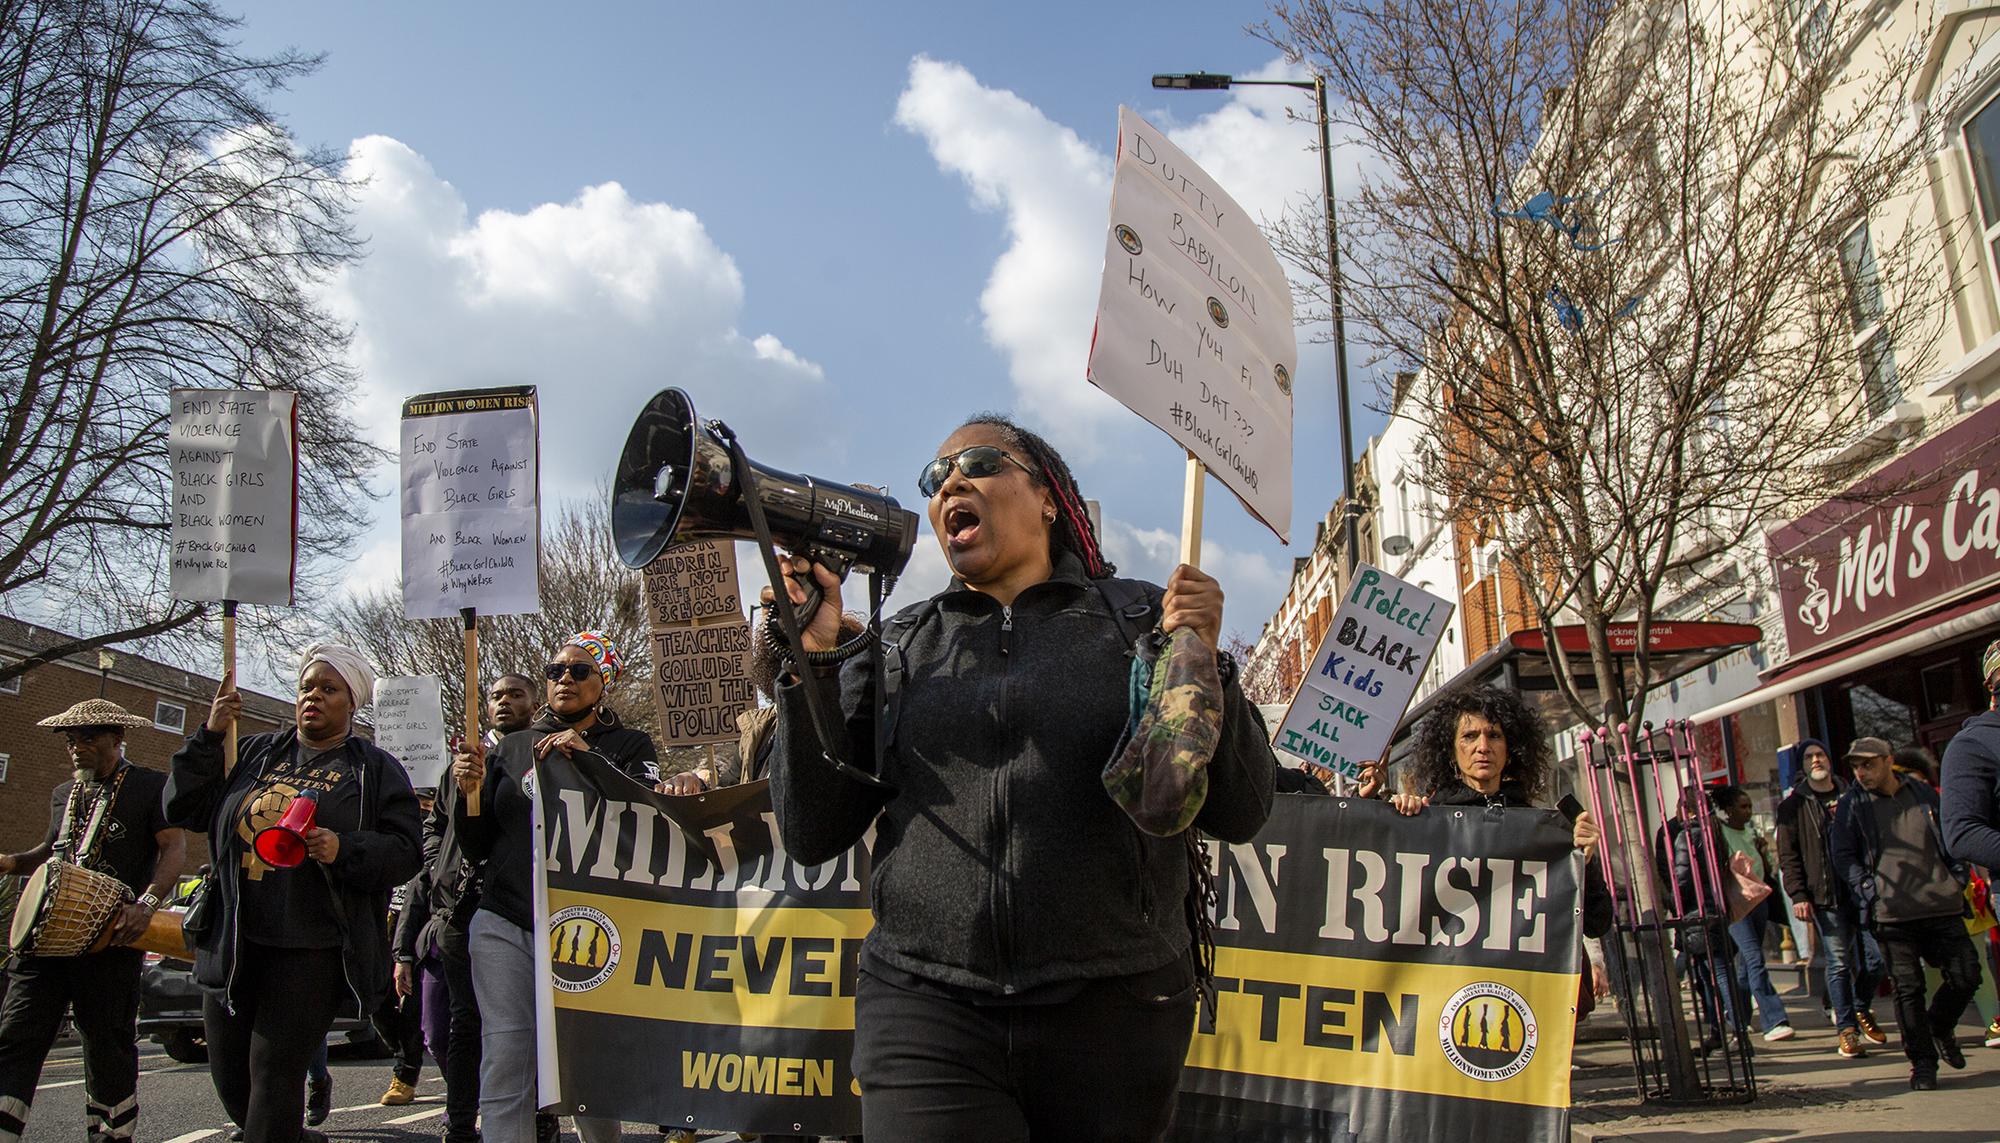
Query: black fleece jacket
[(372, 860), (1972, 791), (503, 834), (1002, 865)]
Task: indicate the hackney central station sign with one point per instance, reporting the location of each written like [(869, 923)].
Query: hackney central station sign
[(1923, 531)]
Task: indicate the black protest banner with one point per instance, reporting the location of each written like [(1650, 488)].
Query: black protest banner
[(1379, 977), (1390, 978), (701, 977)]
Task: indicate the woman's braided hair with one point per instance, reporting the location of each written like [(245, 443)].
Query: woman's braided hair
[(1072, 530)]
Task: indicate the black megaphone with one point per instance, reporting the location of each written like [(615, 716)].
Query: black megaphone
[(675, 485)]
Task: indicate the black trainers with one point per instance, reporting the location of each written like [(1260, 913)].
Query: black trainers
[(546, 1128), (319, 1101), (1923, 1081), (236, 1135), (1948, 1048)]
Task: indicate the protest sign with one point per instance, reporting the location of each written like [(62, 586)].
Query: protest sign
[(234, 457), (692, 583), (701, 682), (409, 723), (471, 503), (1363, 674), (1194, 321), (1376, 991)]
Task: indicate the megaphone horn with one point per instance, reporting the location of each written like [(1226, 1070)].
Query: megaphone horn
[(675, 485)]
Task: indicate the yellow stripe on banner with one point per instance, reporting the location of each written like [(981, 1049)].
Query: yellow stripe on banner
[(1432, 1029), (788, 967)]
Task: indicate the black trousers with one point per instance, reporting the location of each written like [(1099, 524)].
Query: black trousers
[(257, 1055), (400, 1024), (461, 1064), (1101, 1067), (1942, 942), (103, 990)]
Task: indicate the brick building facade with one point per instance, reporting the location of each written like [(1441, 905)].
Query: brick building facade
[(33, 761)]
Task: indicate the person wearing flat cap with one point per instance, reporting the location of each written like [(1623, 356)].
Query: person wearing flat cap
[(107, 819), (284, 949)]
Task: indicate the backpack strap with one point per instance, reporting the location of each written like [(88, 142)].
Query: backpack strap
[(894, 667), (1132, 607)]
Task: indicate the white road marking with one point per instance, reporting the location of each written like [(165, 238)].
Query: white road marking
[(191, 1136), (78, 1082), (418, 1117)]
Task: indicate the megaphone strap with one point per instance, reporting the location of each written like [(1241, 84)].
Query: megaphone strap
[(832, 736)]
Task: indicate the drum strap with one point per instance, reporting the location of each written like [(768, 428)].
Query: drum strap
[(82, 850)]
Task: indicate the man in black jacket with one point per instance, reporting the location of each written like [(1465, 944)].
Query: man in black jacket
[(1848, 954), (1888, 848)]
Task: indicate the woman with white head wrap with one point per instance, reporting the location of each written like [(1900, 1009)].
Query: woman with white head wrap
[(285, 948)]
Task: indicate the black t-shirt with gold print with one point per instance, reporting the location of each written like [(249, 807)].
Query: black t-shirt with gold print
[(293, 908)]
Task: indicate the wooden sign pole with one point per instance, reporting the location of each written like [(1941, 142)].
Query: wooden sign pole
[(1197, 483), (471, 617), (229, 672)]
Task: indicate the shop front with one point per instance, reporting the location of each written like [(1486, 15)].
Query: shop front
[(1888, 594)]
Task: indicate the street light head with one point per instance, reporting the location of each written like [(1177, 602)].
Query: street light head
[(1192, 81)]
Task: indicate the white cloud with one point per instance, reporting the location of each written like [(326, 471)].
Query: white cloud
[(599, 302), (1252, 583)]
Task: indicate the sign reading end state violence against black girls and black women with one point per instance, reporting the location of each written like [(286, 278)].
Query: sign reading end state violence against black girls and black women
[(471, 503), (1379, 977), (235, 461)]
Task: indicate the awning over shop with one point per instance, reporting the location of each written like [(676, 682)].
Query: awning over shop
[(1968, 617), (1673, 649)]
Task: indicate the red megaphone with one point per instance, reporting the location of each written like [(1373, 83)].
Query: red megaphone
[(283, 846)]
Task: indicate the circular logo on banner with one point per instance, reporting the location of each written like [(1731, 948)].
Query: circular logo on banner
[(1128, 238), (583, 948), (1488, 1031), (1284, 376), (1218, 313)]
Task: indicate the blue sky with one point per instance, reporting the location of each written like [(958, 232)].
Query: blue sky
[(840, 227)]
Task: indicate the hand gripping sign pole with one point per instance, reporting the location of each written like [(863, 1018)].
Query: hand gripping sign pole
[(471, 515), (234, 458)]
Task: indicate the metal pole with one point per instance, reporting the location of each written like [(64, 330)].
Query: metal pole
[(1348, 508)]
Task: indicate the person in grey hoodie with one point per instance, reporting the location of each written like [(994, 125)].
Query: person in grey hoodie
[(1029, 973)]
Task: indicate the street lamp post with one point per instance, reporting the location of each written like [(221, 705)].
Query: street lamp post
[(1209, 81)]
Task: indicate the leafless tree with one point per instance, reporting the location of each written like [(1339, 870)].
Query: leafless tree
[(1629, 246), (158, 229), (584, 587)]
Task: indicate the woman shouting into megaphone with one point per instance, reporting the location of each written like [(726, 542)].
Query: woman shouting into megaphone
[(1029, 975)]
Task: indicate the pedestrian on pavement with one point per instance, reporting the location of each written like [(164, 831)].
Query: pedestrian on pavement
[(289, 948), (1850, 959), (575, 720), (1035, 983), (1888, 847), (1741, 835), (107, 819)]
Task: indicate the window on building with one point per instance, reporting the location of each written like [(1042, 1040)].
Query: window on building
[(1982, 150), (1811, 23), (170, 716), (11, 686), (1865, 308), (4, 759)]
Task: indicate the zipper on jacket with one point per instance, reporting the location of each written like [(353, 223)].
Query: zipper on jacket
[(1003, 902), (1006, 626)]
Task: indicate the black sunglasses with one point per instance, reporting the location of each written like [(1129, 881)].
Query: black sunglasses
[(979, 460), (577, 672)]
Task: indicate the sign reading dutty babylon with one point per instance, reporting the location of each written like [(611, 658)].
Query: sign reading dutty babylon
[(471, 503), (1194, 321), (1361, 678), (234, 455)]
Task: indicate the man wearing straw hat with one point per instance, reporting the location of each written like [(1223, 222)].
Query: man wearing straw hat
[(108, 819)]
